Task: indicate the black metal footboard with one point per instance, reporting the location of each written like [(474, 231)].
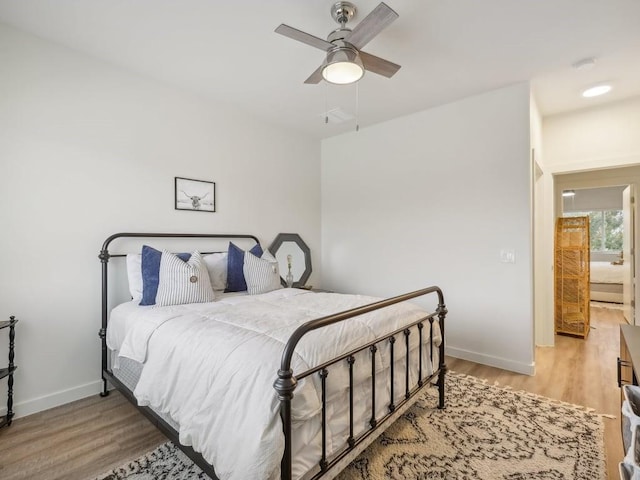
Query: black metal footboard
[(286, 382)]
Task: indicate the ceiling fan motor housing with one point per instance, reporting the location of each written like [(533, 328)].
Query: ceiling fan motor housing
[(338, 34)]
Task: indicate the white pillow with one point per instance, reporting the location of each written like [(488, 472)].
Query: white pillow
[(183, 282), (134, 275), (261, 274), (217, 266)]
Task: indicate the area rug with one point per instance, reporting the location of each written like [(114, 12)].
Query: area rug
[(485, 433)]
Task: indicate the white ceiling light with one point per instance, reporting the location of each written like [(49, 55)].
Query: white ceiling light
[(596, 91), (568, 193), (343, 66)]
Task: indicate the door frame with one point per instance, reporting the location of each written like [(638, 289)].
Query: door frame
[(608, 173), (628, 251)]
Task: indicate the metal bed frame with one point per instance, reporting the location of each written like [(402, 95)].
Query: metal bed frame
[(286, 380)]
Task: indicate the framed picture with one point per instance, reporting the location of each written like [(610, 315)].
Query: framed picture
[(195, 195)]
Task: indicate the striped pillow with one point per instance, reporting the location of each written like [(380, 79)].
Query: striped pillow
[(261, 274), (183, 282)]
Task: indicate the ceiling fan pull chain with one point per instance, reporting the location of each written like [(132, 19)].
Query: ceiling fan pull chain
[(326, 112), (357, 107)]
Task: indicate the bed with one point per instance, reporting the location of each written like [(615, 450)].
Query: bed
[(285, 383), (606, 281)]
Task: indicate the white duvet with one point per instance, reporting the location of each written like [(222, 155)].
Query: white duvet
[(606, 272), (211, 367)]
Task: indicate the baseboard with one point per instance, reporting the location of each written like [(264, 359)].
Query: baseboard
[(35, 405), (503, 363)]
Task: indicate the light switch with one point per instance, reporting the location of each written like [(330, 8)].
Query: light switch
[(507, 256)]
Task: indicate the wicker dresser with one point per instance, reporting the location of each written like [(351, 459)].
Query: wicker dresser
[(571, 276)]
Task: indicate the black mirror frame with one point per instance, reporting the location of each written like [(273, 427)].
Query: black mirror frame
[(295, 238)]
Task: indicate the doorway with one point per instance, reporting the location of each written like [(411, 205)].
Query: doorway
[(610, 211), (620, 184)]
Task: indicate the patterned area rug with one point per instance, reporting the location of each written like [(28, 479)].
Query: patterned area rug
[(485, 433)]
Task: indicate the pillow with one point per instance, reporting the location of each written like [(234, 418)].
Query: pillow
[(235, 263), (182, 282), (150, 268), (262, 274), (134, 275), (217, 266)]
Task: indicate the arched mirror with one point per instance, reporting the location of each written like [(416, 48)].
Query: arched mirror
[(294, 258)]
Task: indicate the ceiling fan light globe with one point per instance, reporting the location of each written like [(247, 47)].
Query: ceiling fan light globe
[(342, 73)]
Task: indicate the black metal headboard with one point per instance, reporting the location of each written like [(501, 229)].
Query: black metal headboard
[(104, 259)]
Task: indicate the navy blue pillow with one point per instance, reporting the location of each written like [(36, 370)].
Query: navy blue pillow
[(151, 273), (235, 262)]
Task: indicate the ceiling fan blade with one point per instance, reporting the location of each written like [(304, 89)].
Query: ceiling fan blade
[(303, 37), (379, 18), (315, 77), (379, 65)]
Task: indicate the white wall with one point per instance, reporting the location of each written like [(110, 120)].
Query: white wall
[(87, 150), (586, 199), (593, 138), (432, 198), (542, 301)]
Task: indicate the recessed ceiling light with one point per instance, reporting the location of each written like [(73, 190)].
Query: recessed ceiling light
[(596, 91)]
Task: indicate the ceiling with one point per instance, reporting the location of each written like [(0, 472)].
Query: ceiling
[(448, 49)]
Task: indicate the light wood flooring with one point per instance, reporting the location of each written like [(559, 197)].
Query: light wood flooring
[(86, 438)]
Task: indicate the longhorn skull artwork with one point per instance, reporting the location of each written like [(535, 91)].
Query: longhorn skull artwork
[(195, 195), (195, 200)]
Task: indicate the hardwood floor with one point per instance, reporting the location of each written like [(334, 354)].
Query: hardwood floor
[(76, 441), (83, 439)]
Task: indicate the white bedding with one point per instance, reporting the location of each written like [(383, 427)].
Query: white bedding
[(211, 367), (605, 272)]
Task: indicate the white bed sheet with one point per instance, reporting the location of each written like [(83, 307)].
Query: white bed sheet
[(605, 272), (211, 367)]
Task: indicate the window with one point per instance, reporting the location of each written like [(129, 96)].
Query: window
[(605, 228)]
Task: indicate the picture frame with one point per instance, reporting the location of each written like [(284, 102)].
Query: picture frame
[(194, 195)]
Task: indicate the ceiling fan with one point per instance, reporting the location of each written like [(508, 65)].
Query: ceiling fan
[(345, 63)]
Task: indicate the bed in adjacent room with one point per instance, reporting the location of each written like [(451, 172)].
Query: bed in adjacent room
[(260, 381), (606, 281)]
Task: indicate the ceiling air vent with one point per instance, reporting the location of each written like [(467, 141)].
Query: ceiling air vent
[(337, 115)]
